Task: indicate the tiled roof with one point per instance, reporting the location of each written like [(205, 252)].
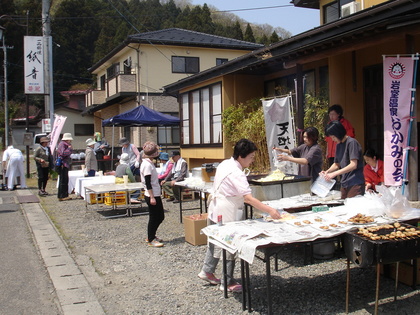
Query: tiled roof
[(177, 36)]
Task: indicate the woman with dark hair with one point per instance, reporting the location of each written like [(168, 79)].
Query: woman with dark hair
[(308, 155), (348, 161), (230, 191), (373, 170), (335, 112)]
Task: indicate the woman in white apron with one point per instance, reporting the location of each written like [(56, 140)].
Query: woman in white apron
[(230, 191)]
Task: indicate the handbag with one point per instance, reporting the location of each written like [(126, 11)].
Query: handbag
[(45, 164), (58, 161)]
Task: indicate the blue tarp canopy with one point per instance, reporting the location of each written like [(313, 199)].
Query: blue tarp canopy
[(141, 116)]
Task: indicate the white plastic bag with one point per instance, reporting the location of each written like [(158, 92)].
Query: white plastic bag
[(396, 205)]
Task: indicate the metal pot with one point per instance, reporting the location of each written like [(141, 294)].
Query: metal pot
[(196, 172)]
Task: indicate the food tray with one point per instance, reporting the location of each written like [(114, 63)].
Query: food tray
[(253, 180)]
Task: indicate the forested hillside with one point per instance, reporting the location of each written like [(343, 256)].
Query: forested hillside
[(84, 31)]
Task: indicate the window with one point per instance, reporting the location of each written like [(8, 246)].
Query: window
[(84, 129), (202, 116), (113, 70), (331, 12), (102, 83), (168, 135), (185, 64), (220, 61)]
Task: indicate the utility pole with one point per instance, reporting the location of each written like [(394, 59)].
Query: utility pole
[(48, 65)]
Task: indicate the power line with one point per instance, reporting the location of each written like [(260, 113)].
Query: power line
[(259, 8)]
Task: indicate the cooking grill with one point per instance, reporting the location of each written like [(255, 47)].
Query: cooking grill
[(365, 252)]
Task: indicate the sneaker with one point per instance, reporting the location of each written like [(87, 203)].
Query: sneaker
[(209, 277), (156, 238), (235, 287), (41, 193), (155, 243), (170, 199), (45, 193), (176, 201), (135, 201)]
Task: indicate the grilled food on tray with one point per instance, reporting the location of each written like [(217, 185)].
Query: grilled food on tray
[(361, 219), (394, 231)]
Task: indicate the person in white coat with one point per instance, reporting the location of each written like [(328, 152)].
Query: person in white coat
[(13, 167)]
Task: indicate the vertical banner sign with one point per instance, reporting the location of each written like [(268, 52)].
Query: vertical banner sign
[(34, 65), (55, 133), (398, 78), (279, 128)]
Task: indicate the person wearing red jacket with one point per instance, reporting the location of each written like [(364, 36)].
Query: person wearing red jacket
[(373, 170), (335, 112)]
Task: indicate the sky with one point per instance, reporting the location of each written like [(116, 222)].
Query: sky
[(293, 19)]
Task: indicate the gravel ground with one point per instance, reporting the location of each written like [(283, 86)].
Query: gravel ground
[(129, 277)]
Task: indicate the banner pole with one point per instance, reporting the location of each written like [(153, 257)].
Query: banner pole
[(410, 127)]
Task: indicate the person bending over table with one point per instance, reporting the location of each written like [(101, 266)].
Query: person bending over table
[(124, 169), (308, 155), (231, 191), (152, 194), (178, 173), (13, 167), (348, 162), (134, 155), (373, 170)]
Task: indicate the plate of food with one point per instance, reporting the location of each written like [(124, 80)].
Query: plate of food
[(360, 219)]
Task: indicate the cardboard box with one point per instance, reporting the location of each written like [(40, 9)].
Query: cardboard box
[(405, 273), (192, 226)]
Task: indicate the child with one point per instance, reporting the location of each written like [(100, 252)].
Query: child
[(373, 170)]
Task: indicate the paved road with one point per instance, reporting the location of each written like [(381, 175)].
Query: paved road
[(37, 273), (25, 285)]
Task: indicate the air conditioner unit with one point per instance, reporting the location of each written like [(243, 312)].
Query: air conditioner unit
[(350, 8)]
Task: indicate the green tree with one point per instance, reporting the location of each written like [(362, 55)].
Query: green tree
[(76, 32), (274, 38), (264, 40), (246, 120), (170, 14), (237, 32), (249, 35)]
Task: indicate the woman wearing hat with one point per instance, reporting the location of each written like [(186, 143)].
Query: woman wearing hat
[(124, 169), (149, 178), (44, 160), (167, 166), (91, 163), (64, 150)]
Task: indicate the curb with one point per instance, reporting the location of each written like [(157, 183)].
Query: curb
[(74, 292)]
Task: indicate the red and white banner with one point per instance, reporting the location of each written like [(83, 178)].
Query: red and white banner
[(398, 80), (56, 130), (279, 128)]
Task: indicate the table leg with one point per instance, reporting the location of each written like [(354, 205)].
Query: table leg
[(378, 277), (244, 287), (348, 286), (397, 266), (225, 294), (415, 268), (180, 204), (248, 285), (268, 275)]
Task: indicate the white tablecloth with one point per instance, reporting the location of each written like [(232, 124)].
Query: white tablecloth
[(81, 182), (73, 176)]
